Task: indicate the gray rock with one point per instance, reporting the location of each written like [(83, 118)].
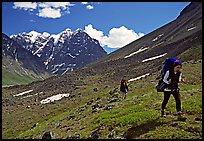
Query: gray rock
[(174, 124), (95, 89), (198, 119), (70, 117), (107, 108), (77, 136), (113, 100), (90, 102), (95, 134), (47, 135), (35, 125), (96, 106), (111, 135), (95, 110)]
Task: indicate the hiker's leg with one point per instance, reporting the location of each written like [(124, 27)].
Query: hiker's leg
[(178, 106), (123, 95), (176, 95), (165, 101)]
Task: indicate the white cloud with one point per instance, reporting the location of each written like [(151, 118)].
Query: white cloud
[(84, 3), (25, 5), (49, 13), (45, 9), (93, 33), (117, 37), (56, 8), (89, 7), (63, 5)]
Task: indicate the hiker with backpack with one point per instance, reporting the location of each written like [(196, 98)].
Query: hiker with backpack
[(171, 76), (123, 88)]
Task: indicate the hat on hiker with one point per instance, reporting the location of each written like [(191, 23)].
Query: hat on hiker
[(176, 63)]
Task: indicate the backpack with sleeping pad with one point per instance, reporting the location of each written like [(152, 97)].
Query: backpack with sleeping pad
[(168, 64)]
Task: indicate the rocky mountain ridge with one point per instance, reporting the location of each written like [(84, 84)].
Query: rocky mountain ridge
[(62, 52)]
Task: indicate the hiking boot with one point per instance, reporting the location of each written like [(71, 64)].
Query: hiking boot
[(163, 113), (181, 117)]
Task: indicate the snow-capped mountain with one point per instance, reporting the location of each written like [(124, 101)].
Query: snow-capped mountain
[(61, 52)]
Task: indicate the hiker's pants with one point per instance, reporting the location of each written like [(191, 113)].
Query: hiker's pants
[(123, 94), (176, 95)]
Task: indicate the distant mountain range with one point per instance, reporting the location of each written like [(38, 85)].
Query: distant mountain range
[(59, 53)]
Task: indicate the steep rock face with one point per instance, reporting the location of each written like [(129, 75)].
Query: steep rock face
[(21, 55), (191, 8), (63, 52)]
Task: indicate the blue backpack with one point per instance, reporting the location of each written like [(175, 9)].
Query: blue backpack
[(167, 65)]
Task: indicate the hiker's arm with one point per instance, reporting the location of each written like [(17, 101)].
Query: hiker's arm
[(181, 78), (166, 77), (126, 87)]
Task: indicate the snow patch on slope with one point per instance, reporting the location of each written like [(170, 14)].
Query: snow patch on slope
[(191, 28), (137, 78), (157, 37), (53, 98), (153, 58), (140, 50), (23, 93)]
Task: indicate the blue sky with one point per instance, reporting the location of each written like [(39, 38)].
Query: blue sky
[(114, 24)]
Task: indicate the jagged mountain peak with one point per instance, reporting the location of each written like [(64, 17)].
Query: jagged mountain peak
[(45, 34), (67, 31), (34, 33), (79, 30)]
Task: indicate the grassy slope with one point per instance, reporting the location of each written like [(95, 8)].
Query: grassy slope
[(136, 117), (14, 74), (12, 78)]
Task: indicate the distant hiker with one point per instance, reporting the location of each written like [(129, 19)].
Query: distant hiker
[(172, 77), (123, 88)]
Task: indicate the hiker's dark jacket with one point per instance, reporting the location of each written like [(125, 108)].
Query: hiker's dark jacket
[(174, 80), (123, 87)]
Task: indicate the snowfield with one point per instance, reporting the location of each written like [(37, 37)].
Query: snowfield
[(53, 98)]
